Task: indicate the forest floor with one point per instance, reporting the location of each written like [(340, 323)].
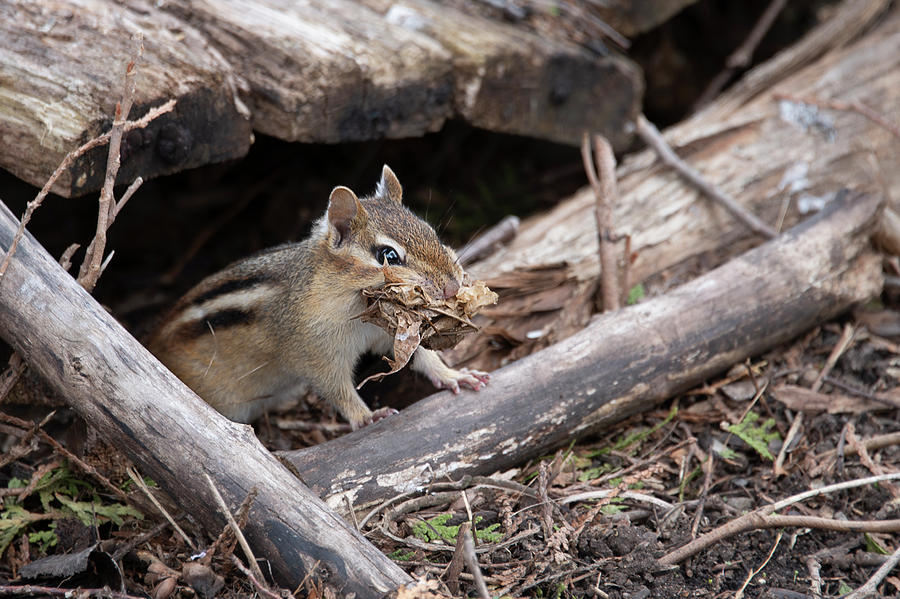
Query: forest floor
[(595, 519)]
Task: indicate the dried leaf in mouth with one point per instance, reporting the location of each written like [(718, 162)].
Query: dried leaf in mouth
[(414, 318)]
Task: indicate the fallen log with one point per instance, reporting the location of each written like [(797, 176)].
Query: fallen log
[(773, 156), (62, 65), (624, 362), (119, 388), (348, 70)]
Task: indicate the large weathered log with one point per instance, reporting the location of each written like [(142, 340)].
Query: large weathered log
[(345, 70), (62, 65), (768, 155), (622, 363), (170, 433)]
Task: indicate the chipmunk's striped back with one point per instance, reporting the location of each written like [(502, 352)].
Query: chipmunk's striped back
[(266, 327)]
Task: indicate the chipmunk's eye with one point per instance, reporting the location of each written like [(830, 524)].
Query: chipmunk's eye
[(387, 254)]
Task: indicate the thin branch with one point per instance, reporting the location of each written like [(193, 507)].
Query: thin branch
[(26, 590), (754, 573), (93, 259), (143, 487), (742, 56), (870, 588), (223, 507), (763, 518), (604, 186), (87, 468), (836, 352), (71, 157), (258, 583), (652, 137), (472, 563), (486, 243)]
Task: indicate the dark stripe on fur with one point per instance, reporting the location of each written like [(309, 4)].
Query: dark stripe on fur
[(228, 287), (216, 321)]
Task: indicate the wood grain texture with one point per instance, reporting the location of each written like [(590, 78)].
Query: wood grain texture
[(767, 154), (510, 80), (62, 66), (171, 434), (347, 70), (624, 362)]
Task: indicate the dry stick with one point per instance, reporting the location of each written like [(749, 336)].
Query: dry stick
[(25, 590), (454, 568), (93, 258), (652, 137), (257, 582), (483, 245), (741, 57), (839, 348), (604, 188), (872, 444), (754, 573), (472, 563), (90, 470), (762, 518), (815, 575), (71, 157), (143, 487), (12, 374), (866, 459), (870, 588), (243, 512), (857, 107), (251, 559)]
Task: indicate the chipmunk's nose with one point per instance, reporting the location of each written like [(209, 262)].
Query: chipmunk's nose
[(450, 288)]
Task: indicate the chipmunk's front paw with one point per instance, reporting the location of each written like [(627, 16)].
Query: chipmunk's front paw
[(452, 379), (379, 414)]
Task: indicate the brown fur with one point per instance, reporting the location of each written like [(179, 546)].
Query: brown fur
[(267, 327)]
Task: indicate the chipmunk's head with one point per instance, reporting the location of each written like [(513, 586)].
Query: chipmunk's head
[(364, 235)]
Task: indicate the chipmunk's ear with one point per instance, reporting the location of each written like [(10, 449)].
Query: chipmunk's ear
[(389, 186), (345, 213)]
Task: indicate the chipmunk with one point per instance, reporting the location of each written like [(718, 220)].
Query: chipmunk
[(269, 327)]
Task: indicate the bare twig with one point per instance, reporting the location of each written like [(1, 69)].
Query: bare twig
[(27, 590), (223, 507), (143, 487), (763, 518), (753, 574), (12, 374), (454, 568), (848, 19), (90, 268), (742, 56), (482, 246), (472, 563), (824, 459), (652, 137), (71, 157), (854, 442), (836, 352), (604, 187), (608, 493), (243, 512), (87, 468), (815, 576), (257, 581), (870, 588)]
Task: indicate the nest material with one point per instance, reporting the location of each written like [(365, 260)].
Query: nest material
[(414, 318)]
